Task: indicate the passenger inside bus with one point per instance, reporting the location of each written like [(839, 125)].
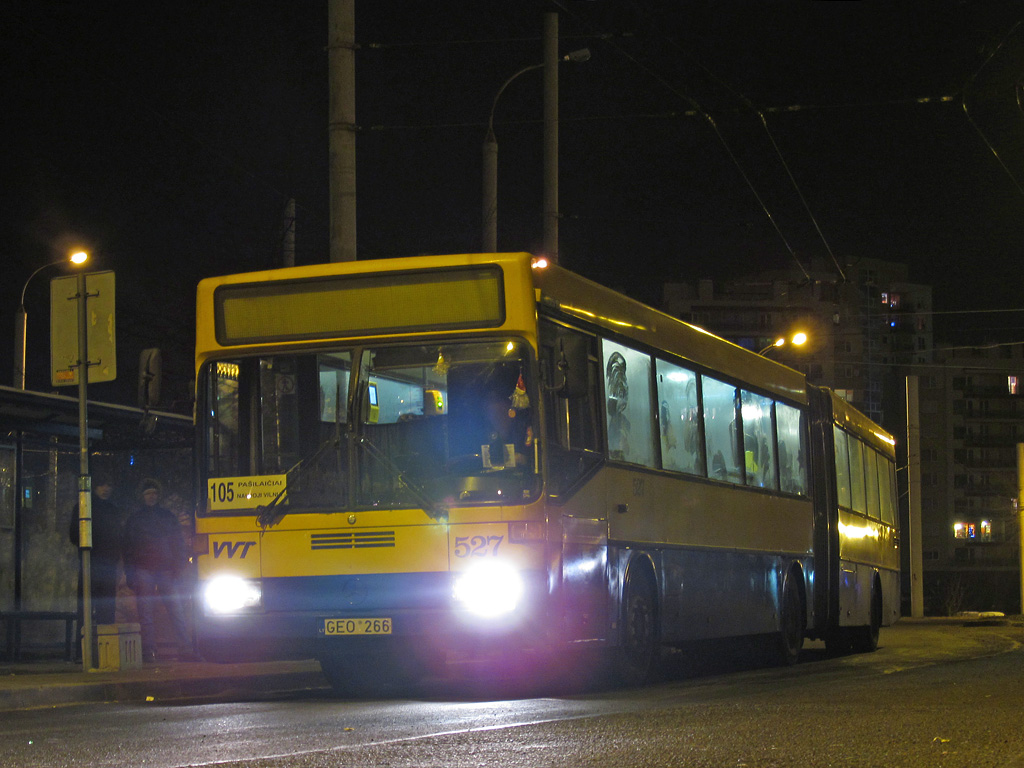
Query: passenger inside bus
[(492, 411), (510, 435)]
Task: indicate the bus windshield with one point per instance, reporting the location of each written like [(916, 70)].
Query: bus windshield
[(383, 427)]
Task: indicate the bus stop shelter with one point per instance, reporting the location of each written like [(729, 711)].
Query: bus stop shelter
[(39, 465)]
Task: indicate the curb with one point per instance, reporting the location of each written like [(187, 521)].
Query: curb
[(236, 682)]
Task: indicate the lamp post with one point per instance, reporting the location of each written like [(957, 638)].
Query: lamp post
[(490, 157), (84, 479), (797, 339), (21, 318)]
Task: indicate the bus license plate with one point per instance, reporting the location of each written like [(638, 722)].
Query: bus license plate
[(375, 626)]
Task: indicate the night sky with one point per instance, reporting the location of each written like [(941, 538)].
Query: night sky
[(167, 139)]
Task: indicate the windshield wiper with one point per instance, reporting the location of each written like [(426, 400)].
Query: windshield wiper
[(434, 509), (271, 513)]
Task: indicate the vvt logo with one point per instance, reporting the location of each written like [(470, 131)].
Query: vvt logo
[(231, 548)]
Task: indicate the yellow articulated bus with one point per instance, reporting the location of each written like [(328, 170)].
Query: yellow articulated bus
[(413, 459)]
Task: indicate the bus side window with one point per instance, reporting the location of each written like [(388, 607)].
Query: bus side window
[(792, 450), (886, 485), (720, 417), (857, 482), (628, 409), (843, 494), (679, 419), (758, 440), (871, 482)]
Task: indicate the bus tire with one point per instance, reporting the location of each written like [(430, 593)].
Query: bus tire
[(865, 639), (637, 652), (790, 637)]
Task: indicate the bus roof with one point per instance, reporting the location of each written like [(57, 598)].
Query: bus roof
[(571, 294), (852, 420)]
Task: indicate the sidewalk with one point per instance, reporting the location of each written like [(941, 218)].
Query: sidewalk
[(51, 683)]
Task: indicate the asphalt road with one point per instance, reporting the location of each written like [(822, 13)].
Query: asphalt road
[(931, 695)]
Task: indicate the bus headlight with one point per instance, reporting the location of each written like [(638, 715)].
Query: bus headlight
[(231, 594), (489, 588)]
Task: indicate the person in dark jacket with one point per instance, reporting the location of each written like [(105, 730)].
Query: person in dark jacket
[(106, 551), (155, 556)]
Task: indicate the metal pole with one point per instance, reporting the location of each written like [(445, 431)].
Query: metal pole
[(551, 136), (288, 238), (490, 207), (342, 128), (21, 328), (913, 538), (20, 325), (1020, 518), (84, 481)]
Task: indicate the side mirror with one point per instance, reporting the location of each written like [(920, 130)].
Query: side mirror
[(150, 374), (573, 367)]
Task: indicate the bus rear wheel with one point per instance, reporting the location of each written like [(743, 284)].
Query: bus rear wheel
[(865, 639), (637, 652)]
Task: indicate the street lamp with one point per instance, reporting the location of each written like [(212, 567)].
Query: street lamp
[(797, 339), (490, 156), (20, 319)]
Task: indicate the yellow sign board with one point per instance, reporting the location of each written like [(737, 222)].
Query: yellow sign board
[(245, 492), (100, 332)]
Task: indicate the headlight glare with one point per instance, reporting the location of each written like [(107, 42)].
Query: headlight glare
[(489, 589), (231, 594)]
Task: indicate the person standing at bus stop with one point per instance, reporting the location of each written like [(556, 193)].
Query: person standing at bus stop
[(106, 552), (155, 557)]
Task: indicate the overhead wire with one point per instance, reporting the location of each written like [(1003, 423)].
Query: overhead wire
[(672, 88), (775, 146), (966, 92)]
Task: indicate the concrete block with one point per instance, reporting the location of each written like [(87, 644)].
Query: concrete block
[(119, 645)]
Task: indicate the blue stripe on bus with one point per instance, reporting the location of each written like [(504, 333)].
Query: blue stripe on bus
[(369, 592)]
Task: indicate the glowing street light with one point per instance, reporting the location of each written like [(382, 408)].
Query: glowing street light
[(21, 319), (797, 339)]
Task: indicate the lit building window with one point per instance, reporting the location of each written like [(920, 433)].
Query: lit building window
[(986, 530), (1011, 384), (970, 530)]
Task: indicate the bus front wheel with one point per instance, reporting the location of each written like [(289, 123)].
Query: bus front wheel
[(638, 643), (790, 639)]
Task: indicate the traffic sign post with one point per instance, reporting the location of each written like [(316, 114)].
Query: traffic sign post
[(82, 322)]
